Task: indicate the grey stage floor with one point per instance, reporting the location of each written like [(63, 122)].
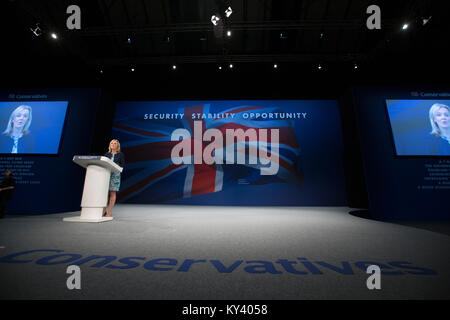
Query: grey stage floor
[(242, 253)]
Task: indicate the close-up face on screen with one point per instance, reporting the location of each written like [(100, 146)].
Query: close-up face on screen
[(420, 127), (32, 127)]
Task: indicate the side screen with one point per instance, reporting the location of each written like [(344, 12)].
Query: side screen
[(420, 127), (31, 127)]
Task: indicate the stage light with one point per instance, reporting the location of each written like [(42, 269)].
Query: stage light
[(275, 66), (220, 67), (228, 12), (355, 66), (215, 20), (231, 66), (405, 26), (54, 36), (319, 67), (132, 69), (229, 33), (174, 67)]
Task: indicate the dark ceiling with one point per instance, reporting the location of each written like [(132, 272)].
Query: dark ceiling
[(297, 35)]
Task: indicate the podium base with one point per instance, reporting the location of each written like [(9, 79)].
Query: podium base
[(79, 219)]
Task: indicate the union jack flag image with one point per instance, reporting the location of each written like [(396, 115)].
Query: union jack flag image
[(150, 175)]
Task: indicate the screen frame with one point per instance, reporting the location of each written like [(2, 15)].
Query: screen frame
[(61, 135), (391, 133)]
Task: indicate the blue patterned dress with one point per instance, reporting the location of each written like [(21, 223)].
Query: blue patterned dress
[(114, 181)]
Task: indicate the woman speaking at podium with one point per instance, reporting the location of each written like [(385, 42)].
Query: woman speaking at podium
[(114, 182)]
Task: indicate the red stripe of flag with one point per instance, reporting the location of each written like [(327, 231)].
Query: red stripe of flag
[(150, 151), (188, 115), (204, 180)]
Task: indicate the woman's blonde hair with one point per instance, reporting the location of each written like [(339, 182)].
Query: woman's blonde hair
[(9, 127), (434, 126), (109, 146)]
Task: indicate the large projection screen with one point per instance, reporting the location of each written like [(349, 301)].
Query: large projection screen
[(231, 152)]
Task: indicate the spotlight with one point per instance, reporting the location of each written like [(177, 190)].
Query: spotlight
[(215, 20), (229, 33), (220, 67), (174, 67), (275, 66), (132, 69), (355, 66), (54, 36), (319, 67), (405, 26), (231, 66), (228, 12)]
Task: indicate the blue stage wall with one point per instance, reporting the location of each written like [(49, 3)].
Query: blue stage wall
[(404, 181), (309, 160), (53, 183)]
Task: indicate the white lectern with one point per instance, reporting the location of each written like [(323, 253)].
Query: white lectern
[(96, 187)]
